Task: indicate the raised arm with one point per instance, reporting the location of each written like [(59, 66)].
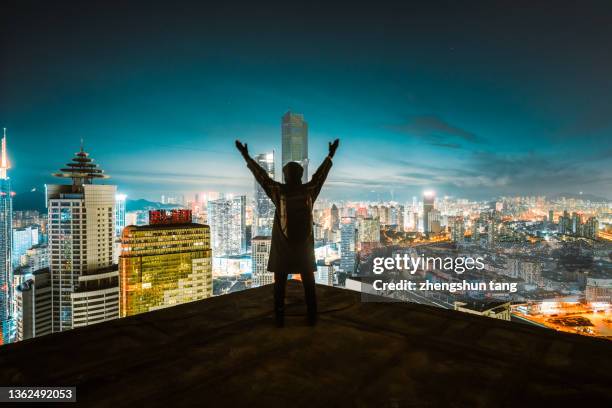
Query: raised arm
[(261, 176), (321, 174)]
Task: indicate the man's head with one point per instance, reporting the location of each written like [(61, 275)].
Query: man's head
[(293, 173)]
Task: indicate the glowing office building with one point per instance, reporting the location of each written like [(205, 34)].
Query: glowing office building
[(260, 253), (264, 208), (348, 245), (227, 220), (428, 206), (165, 263), (119, 213), (6, 234)]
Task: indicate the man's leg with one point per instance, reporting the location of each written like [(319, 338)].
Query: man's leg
[(309, 293), (280, 283)]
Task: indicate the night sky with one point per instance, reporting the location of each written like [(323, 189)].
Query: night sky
[(471, 99)]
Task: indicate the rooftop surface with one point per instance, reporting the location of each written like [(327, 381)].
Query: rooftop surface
[(226, 351)]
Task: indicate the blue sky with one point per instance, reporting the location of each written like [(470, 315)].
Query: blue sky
[(469, 99)]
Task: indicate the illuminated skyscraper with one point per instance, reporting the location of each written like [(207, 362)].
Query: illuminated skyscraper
[(260, 253), (348, 245), (81, 231), (119, 213), (428, 205), (165, 263), (264, 208), (6, 235), (295, 141), (226, 217), (457, 228)]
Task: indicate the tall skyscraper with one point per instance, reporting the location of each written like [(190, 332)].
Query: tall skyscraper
[(165, 263), (335, 217), (295, 141), (348, 245), (260, 253), (119, 214), (457, 228), (81, 231), (226, 217), (264, 208), (6, 246), (428, 206)]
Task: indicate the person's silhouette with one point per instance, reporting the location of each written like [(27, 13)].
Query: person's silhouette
[(292, 249)]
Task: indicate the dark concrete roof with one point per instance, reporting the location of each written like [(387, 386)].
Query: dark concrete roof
[(225, 351)]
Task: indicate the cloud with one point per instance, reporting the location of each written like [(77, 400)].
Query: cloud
[(437, 132)]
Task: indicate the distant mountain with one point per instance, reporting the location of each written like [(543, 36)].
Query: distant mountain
[(35, 200), (143, 205), (585, 197), (31, 200)]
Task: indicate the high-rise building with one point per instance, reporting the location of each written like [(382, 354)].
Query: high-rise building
[(260, 253), (33, 299), (165, 263), (81, 231), (295, 141), (23, 239), (434, 221), (457, 228), (348, 245), (119, 213), (226, 217), (6, 268), (335, 217), (369, 230), (264, 208), (428, 206)]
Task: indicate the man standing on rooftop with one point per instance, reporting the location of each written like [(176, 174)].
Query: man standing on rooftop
[(292, 248)]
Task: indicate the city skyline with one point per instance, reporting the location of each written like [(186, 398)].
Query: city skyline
[(513, 105)]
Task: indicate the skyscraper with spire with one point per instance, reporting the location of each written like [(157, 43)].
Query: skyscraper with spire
[(81, 230), (6, 270)]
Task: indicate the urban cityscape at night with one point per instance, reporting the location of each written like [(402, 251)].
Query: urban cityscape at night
[(474, 162)]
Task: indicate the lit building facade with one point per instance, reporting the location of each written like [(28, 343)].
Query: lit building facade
[(163, 264), (294, 131), (7, 329), (227, 220), (260, 253), (369, 230), (457, 228), (428, 206), (348, 245), (264, 207), (119, 214), (81, 230)]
